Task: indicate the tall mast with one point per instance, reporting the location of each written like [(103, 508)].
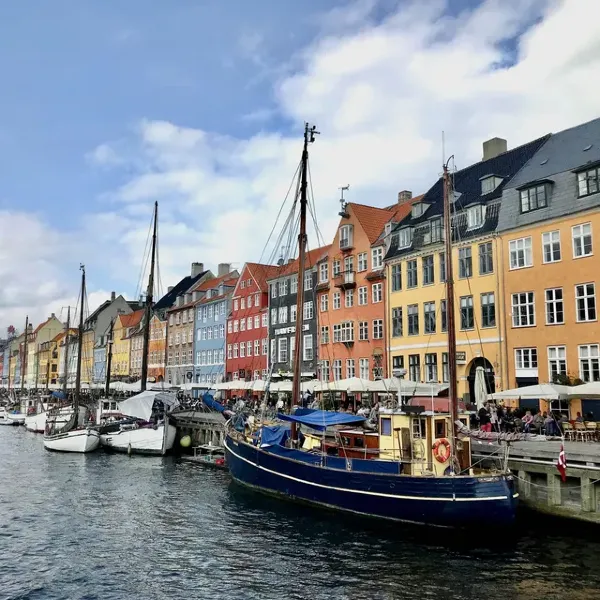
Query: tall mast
[(109, 344), (309, 137), (451, 321), (149, 302), (67, 351), (80, 340), (24, 359)]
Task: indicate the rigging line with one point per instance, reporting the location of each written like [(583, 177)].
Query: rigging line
[(145, 258)]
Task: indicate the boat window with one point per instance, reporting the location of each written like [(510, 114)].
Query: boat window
[(113, 406), (440, 428), (386, 426), (346, 440), (419, 428), (359, 442), (105, 405)]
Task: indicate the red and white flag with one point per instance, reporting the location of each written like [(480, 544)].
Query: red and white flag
[(561, 465)]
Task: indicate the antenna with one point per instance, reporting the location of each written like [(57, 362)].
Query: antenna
[(343, 202)]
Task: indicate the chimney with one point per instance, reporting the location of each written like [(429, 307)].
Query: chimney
[(494, 147), (113, 295), (170, 288), (224, 268), (404, 196), (197, 268)]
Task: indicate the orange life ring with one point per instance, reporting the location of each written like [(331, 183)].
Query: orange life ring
[(445, 454)]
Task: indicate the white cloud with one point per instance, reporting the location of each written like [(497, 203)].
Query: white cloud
[(381, 93)]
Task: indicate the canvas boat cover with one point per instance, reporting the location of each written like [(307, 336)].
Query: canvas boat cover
[(140, 405), (322, 419)]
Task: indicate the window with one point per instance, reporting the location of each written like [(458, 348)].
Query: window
[(445, 368), (324, 302), (520, 253), (283, 288), (337, 268), (378, 329), (551, 246), (308, 312), (465, 262), (444, 315), (523, 309), (324, 272), (362, 296), (429, 317), (397, 321), (293, 285), (442, 267), (209, 333), (170, 320), (256, 347), (467, 320), (413, 319), (235, 351), (307, 348), (273, 350), (293, 313), (582, 240), (282, 350), (526, 358), (256, 303), (350, 370), (229, 326), (345, 236), (377, 292), (308, 281), (265, 346), (585, 296), (437, 231), (256, 322), (324, 339), (337, 300), (242, 350), (489, 184), (431, 368), (243, 324), (488, 310), (411, 274), (273, 316), (414, 367), (235, 305), (589, 362), (343, 332), (588, 182), (533, 198), (283, 314), (349, 298), (242, 303), (405, 237), (362, 262), (337, 369), (557, 361), (184, 316), (248, 323), (475, 216), (377, 257), (396, 277), (428, 269), (363, 364), (555, 310), (486, 258), (363, 331), (324, 370), (264, 319)]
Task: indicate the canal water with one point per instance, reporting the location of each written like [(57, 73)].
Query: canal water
[(116, 527)]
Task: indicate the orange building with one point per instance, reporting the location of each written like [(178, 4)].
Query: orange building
[(351, 292), (157, 349)]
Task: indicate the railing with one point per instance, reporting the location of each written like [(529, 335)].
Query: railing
[(345, 278)]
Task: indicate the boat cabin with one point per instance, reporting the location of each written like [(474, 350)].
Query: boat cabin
[(353, 443)]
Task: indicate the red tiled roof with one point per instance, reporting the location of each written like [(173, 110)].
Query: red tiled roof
[(132, 319), (215, 282), (312, 258), (262, 273)]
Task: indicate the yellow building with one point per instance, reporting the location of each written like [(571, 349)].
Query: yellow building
[(416, 309), (87, 356), (121, 350)]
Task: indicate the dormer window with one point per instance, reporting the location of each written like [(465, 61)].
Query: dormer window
[(346, 237), (417, 210), (534, 197), (489, 183), (405, 237), (588, 182), (475, 216), (388, 229)]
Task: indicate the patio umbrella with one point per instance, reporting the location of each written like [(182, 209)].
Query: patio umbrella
[(480, 387)]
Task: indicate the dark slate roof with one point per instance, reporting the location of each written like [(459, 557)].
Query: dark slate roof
[(185, 284), (467, 191)]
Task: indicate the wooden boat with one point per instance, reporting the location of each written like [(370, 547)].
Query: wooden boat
[(209, 455)]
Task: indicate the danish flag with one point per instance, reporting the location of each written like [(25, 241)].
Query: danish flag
[(561, 465)]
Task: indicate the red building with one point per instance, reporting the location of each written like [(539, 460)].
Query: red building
[(248, 324)]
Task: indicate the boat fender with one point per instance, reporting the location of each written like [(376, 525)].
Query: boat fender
[(441, 450)]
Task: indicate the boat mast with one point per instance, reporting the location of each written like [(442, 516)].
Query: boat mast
[(67, 350), (79, 341), (451, 320), (309, 137), (25, 350), (149, 302), (109, 344)]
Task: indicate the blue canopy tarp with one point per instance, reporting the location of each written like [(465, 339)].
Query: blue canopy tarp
[(321, 419), (274, 435), (209, 400), (59, 395)]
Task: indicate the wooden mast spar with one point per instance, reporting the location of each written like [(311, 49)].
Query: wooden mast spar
[(149, 302), (79, 343)]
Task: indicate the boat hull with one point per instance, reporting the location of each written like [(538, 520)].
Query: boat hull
[(37, 423), (76, 440), (461, 501), (144, 440), (9, 422), (16, 418)]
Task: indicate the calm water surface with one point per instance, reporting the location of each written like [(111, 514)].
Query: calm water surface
[(110, 526)]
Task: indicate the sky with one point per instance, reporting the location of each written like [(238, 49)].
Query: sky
[(108, 106)]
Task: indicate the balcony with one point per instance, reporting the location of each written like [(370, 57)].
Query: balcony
[(346, 280), (346, 244)]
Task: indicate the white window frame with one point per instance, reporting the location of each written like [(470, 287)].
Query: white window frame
[(521, 246), (530, 301), (377, 258), (337, 300), (590, 354), (549, 239), (553, 303), (377, 293), (363, 296), (559, 355), (578, 233), (324, 302), (524, 356), (324, 272), (585, 296), (308, 351), (362, 262)]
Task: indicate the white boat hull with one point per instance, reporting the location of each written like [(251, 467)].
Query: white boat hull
[(76, 440), (37, 423), (145, 440), (16, 418), (9, 422)]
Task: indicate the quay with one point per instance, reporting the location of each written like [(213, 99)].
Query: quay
[(539, 483), (202, 426)]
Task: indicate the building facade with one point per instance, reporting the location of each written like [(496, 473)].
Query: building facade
[(125, 325), (157, 348), (212, 310), (247, 348), (550, 215), (416, 275), (283, 298)]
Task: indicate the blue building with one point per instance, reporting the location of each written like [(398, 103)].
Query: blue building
[(212, 309), (100, 362)]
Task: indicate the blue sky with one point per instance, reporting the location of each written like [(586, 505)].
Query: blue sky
[(106, 106)]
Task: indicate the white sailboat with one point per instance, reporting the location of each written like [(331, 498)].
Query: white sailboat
[(37, 423), (76, 435), (10, 418)]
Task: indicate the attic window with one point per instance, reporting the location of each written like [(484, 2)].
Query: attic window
[(388, 229), (405, 237), (475, 216), (489, 183), (417, 210), (534, 197)]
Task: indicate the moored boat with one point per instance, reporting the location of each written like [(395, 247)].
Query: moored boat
[(76, 440), (10, 418)]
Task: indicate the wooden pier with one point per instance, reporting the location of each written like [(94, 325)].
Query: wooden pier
[(539, 482), (202, 427)]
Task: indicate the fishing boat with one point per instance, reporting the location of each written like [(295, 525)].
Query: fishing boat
[(77, 434), (10, 418), (419, 471)]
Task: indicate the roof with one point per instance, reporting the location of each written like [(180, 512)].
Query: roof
[(185, 284), (312, 258), (262, 273), (132, 319), (215, 282), (371, 218), (467, 192)]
